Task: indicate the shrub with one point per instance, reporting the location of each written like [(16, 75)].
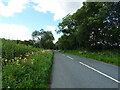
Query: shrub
[(10, 49)]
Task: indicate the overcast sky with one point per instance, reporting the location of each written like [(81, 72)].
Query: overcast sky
[(19, 18)]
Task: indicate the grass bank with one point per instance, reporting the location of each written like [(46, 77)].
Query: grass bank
[(111, 57), (25, 66), (10, 49), (31, 72)]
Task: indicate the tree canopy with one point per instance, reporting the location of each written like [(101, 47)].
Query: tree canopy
[(96, 25), (43, 39)]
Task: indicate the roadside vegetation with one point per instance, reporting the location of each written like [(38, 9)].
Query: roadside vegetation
[(108, 56), (33, 71), (10, 49), (26, 64), (93, 31)]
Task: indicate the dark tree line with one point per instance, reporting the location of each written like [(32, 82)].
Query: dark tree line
[(96, 25), (25, 42), (43, 39)]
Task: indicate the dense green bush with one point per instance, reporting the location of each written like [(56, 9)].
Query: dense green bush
[(24, 66), (33, 72), (10, 49)]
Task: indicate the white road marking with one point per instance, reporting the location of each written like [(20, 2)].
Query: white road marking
[(70, 57), (100, 72)]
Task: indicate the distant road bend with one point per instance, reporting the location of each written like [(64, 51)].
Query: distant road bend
[(70, 71)]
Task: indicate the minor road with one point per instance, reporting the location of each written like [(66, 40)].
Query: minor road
[(70, 71)]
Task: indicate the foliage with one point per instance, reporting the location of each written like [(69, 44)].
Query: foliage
[(31, 72), (26, 42), (10, 49), (24, 66), (109, 56), (44, 39), (94, 26)]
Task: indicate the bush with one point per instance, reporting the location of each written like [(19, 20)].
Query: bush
[(10, 49), (33, 72), (24, 66)]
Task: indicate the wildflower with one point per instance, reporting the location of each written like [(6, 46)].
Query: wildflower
[(17, 60), (27, 55), (8, 86), (17, 63), (9, 60), (20, 58), (25, 58), (6, 60), (32, 62)]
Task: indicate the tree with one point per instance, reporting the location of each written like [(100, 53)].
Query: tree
[(94, 26), (44, 39)]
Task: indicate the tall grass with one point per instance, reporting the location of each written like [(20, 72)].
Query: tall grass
[(10, 49), (33, 72), (24, 66), (108, 56)]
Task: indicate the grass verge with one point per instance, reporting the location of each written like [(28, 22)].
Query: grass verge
[(111, 57), (31, 72)]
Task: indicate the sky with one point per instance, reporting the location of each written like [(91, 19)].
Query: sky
[(19, 18)]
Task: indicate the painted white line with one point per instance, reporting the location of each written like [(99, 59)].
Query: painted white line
[(100, 72), (70, 57)]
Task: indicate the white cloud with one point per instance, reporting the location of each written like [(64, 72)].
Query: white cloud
[(13, 31), (52, 29), (60, 8), (14, 6)]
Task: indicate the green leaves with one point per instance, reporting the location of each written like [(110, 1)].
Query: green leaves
[(94, 25), (108, 56), (10, 49), (44, 39), (33, 72)]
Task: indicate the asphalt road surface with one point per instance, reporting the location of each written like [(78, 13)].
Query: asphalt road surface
[(70, 71)]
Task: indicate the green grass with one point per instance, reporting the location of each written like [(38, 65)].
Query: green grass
[(111, 57), (31, 72), (24, 66), (10, 49)]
